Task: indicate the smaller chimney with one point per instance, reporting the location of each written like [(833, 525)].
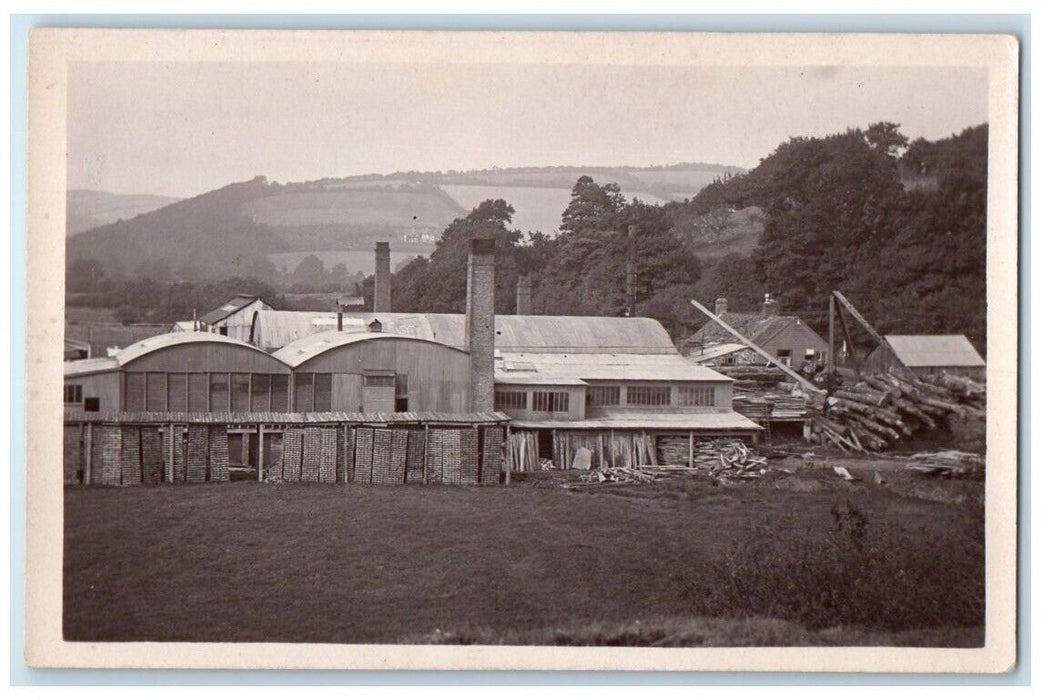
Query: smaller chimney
[(375, 326), (480, 322), (381, 287), (524, 295), (721, 305), (769, 305)]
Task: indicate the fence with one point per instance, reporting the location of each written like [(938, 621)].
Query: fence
[(400, 448)]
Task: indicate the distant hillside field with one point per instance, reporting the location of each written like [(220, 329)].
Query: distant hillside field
[(355, 260), (354, 206), (87, 209)]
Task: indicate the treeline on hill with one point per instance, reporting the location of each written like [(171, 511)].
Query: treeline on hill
[(899, 228)]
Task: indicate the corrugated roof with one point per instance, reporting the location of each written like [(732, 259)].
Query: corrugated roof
[(935, 351), (310, 346), (553, 367), (93, 365), (755, 327), (711, 352), (622, 419), (575, 334), (166, 340), (286, 418), (228, 308)]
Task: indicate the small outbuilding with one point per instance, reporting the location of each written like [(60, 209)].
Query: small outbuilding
[(930, 354)]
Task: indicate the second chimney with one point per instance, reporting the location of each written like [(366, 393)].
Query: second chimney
[(721, 306), (524, 295), (769, 305), (381, 287), (480, 322)]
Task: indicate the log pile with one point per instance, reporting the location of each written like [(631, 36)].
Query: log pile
[(882, 409), (723, 459), (948, 464)]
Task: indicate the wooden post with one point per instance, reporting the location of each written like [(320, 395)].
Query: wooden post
[(831, 333), (871, 331), (690, 450), (507, 460), (426, 446), (260, 452), (90, 454), (806, 383), (849, 344), (170, 453)]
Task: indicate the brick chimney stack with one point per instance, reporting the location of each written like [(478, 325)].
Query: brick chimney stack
[(381, 288), (769, 305), (480, 322), (524, 295), (721, 305)]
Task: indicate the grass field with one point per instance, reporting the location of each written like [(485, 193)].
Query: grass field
[(528, 563)]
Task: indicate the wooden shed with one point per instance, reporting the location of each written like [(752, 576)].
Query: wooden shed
[(930, 354)]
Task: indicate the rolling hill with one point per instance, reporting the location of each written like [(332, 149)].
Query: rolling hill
[(87, 209), (259, 227)]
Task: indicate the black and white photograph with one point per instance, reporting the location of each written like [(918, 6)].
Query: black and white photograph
[(523, 350)]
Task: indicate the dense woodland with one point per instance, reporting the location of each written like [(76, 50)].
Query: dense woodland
[(899, 227)]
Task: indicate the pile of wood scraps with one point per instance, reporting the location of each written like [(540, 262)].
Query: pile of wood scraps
[(882, 409), (723, 459), (950, 464)]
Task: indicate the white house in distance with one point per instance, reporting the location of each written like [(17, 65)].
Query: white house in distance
[(233, 318), (930, 354)]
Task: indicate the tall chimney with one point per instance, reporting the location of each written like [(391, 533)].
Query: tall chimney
[(769, 305), (721, 305), (524, 295), (381, 288), (480, 322)]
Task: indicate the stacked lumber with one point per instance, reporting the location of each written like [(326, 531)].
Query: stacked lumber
[(947, 463), (882, 409), (722, 458), (752, 374), (754, 407), (522, 451)]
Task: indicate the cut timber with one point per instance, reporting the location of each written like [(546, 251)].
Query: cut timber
[(806, 383)]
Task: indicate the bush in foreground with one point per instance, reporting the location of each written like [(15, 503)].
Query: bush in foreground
[(854, 573)]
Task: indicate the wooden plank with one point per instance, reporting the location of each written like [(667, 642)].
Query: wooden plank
[(806, 383), (831, 334), (260, 452), (878, 338), (90, 453)]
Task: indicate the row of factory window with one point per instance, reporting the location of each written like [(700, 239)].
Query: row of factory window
[(606, 395), (234, 391)]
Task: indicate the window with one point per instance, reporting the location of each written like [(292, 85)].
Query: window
[(73, 393), (647, 395), (380, 380), (219, 392), (198, 392), (400, 393), (549, 401), (697, 396), (516, 400), (223, 330), (279, 392), (785, 356), (177, 392), (134, 392), (303, 391), (239, 392), (92, 403), (811, 354), (155, 391), (603, 395), (260, 393), (323, 392)]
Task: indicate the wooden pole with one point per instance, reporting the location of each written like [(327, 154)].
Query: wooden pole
[(871, 331), (260, 452), (831, 334), (849, 344), (90, 454), (806, 383), (508, 460), (170, 454), (690, 450), (426, 444)]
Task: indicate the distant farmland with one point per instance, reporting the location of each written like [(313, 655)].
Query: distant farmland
[(356, 206), (355, 260)]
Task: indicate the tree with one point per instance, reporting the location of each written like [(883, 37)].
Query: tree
[(886, 138), (591, 206)]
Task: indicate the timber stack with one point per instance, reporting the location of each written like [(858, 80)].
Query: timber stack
[(880, 410)]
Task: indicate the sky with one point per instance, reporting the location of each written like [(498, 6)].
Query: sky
[(183, 128)]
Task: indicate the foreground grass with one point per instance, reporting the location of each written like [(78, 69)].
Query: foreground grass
[(519, 564)]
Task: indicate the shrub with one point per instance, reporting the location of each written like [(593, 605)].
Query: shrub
[(850, 574)]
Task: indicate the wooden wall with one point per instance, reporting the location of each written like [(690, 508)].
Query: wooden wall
[(797, 337), (105, 386), (576, 402), (438, 375)]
